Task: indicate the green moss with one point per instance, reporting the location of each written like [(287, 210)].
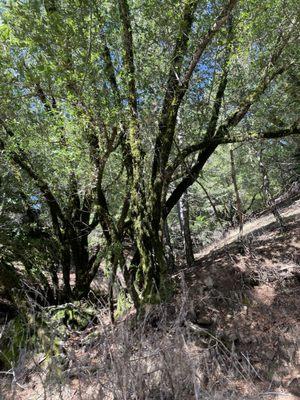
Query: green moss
[(123, 304), (14, 338), (70, 316), (44, 332)]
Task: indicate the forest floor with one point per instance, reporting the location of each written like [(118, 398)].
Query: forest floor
[(250, 290), (252, 228), (232, 331)]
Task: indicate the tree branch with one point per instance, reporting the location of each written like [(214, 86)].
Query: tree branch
[(171, 99), (208, 148), (272, 134), (206, 39), (110, 72), (209, 144), (177, 89), (213, 136), (129, 57), (216, 107), (190, 178)]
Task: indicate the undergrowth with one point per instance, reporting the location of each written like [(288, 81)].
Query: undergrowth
[(163, 356)]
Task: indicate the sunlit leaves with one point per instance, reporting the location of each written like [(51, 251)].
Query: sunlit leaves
[(55, 91)]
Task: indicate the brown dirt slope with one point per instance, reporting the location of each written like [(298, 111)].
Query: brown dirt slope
[(248, 293), (231, 332)]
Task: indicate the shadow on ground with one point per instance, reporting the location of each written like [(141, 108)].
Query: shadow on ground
[(249, 291)]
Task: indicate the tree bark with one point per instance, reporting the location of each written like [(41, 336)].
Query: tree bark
[(169, 248), (269, 201), (184, 220), (238, 201)]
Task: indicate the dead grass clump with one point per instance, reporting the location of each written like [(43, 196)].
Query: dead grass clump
[(231, 332), (165, 355)]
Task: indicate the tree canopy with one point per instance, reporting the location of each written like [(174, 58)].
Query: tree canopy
[(109, 111)]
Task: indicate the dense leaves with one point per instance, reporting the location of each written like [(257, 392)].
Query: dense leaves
[(109, 112)]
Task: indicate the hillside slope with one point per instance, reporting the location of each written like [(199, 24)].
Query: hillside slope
[(232, 331), (249, 291)]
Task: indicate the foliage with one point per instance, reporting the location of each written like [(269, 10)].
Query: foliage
[(94, 96), (217, 182)]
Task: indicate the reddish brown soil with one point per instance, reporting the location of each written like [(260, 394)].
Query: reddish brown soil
[(248, 294)]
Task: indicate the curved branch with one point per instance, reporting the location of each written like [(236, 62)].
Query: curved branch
[(190, 178)]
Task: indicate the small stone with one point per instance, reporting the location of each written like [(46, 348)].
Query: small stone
[(209, 282)]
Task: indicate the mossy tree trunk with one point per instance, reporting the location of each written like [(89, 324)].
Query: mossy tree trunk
[(151, 191)]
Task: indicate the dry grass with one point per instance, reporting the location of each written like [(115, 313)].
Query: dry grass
[(161, 358), (231, 332), (250, 227)]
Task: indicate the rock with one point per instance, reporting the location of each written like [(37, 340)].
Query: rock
[(209, 282)]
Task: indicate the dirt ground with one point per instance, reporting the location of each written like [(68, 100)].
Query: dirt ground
[(248, 289), (232, 330)]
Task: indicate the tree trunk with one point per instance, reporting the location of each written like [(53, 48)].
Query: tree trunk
[(169, 248), (153, 266), (80, 258), (184, 220), (239, 207), (66, 270), (267, 191), (184, 217)]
